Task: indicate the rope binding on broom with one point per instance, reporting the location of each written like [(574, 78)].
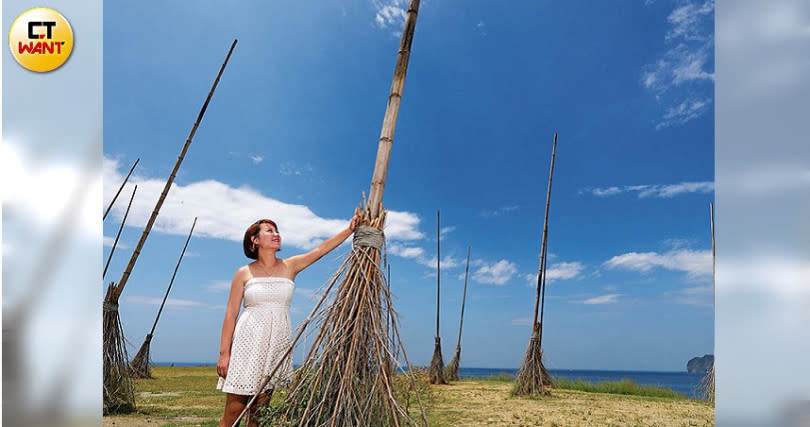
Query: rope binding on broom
[(367, 236)]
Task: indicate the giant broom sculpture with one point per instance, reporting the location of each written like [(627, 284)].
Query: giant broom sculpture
[(344, 380), (119, 396), (436, 370), (533, 378)]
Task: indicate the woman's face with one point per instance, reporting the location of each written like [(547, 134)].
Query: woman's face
[(268, 237)]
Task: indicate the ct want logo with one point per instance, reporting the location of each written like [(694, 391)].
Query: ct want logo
[(41, 39)]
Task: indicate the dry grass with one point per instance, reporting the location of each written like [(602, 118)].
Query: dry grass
[(488, 402), (186, 396)]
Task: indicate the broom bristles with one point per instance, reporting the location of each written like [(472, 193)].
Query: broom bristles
[(706, 386), (119, 394), (533, 378), (139, 367), (452, 367), (346, 378), (436, 370)]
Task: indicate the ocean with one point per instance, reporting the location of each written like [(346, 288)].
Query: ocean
[(681, 382)]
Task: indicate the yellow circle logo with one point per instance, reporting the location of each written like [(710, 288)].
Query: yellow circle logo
[(41, 39)]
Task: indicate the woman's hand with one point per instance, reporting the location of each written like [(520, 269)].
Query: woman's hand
[(222, 364), (358, 216)]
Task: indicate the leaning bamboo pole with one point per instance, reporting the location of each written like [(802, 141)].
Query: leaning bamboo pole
[(436, 370), (532, 378), (121, 228), (117, 395), (112, 202), (452, 367), (343, 380), (139, 367)]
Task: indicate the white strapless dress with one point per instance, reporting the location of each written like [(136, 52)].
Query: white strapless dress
[(262, 335)]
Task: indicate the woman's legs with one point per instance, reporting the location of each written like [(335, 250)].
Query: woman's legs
[(235, 404)]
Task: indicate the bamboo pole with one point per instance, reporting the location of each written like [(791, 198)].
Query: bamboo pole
[(140, 364), (545, 232), (542, 299), (121, 228), (463, 297), (112, 202), (123, 281), (391, 112), (438, 271), (174, 274)]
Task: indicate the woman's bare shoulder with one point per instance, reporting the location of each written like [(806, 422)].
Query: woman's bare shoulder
[(243, 273)]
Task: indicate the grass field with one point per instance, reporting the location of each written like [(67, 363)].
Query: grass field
[(186, 396)]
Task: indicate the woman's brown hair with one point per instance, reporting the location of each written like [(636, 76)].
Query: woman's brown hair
[(253, 230)]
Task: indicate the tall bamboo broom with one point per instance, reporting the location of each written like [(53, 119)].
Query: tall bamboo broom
[(452, 368), (343, 380), (436, 370), (118, 395), (121, 228), (139, 367), (112, 202), (533, 378), (707, 382)]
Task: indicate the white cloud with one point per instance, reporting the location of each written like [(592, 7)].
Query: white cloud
[(446, 230), (257, 159), (675, 77), (696, 264), (224, 212), (558, 271), (496, 274), (604, 299), (170, 302), (390, 13), (405, 251), (447, 262), (563, 270), (687, 110), (686, 20), (402, 226), (654, 190)]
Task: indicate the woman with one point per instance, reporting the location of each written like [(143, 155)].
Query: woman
[(251, 347)]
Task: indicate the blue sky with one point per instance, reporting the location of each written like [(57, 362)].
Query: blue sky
[(291, 134)]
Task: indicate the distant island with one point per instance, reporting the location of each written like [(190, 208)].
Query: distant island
[(700, 364)]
